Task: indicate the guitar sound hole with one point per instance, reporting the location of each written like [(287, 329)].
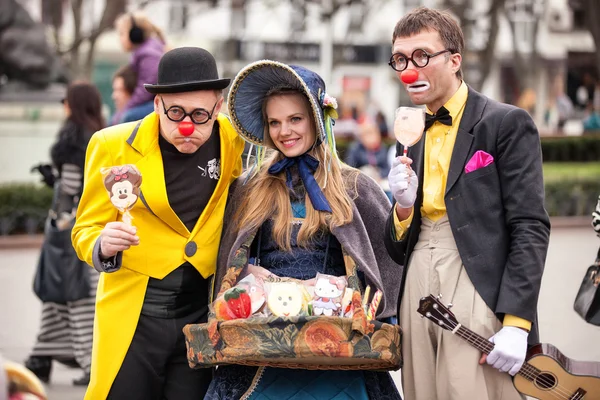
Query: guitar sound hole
[(545, 381)]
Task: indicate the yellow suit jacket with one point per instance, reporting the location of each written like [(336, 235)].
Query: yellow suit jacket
[(163, 237)]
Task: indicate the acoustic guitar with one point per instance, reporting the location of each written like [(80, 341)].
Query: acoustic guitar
[(547, 374)]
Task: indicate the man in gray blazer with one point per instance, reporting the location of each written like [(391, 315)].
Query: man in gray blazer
[(468, 221)]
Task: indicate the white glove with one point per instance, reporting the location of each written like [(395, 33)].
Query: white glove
[(403, 184), (510, 348)]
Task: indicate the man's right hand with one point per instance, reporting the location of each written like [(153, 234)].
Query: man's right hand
[(116, 237), (403, 182)]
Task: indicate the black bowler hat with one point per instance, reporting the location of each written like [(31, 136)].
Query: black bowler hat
[(187, 69)]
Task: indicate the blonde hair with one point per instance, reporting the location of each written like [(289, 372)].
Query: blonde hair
[(267, 196), (142, 22)]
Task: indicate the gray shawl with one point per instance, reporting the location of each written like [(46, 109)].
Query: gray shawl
[(361, 239)]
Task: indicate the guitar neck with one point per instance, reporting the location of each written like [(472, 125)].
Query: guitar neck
[(477, 341), (485, 346)]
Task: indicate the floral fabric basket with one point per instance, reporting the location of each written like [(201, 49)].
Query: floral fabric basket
[(305, 342)]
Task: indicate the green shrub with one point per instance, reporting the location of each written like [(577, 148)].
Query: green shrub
[(558, 171), (572, 197), (571, 148), (23, 207)]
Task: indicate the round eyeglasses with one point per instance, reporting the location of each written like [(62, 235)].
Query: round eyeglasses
[(198, 116), (419, 57)]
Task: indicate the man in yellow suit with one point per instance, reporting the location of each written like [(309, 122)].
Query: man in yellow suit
[(155, 273)]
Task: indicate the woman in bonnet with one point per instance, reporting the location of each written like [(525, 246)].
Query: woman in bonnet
[(306, 210)]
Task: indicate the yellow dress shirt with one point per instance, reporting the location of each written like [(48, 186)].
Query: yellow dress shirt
[(439, 144)]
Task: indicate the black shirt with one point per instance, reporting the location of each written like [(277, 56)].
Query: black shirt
[(190, 180)]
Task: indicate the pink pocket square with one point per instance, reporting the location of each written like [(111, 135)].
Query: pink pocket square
[(479, 160)]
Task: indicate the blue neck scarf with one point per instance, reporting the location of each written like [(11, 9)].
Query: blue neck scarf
[(307, 165)]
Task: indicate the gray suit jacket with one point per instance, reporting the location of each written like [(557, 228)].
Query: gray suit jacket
[(496, 213)]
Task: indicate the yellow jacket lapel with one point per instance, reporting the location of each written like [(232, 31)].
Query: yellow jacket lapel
[(153, 189)]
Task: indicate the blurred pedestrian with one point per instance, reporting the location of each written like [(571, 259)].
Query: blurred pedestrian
[(527, 100), (585, 94), (382, 124), (65, 334), (369, 153), (591, 122), (146, 43), (346, 126), (560, 107), (123, 86)]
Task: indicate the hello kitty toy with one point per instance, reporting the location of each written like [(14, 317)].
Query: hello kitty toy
[(328, 295)]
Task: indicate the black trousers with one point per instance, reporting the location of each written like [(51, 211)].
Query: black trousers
[(156, 366)]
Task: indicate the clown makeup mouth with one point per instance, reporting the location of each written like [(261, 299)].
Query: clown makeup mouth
[(418, 86), (187, 139)]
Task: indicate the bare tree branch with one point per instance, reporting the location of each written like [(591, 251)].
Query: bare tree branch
[(111, 11), (489, 52), (76, 6), (142, 4), (517, 60), (486, 57)]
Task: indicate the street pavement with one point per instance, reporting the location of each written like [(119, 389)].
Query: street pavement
[(571, 251)]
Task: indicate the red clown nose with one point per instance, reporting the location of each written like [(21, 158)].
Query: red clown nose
[(186, 128), (409, 76)]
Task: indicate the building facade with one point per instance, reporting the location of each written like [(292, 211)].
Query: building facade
[(351, 48)]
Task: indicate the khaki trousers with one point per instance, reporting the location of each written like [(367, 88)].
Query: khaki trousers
[(439, 365)]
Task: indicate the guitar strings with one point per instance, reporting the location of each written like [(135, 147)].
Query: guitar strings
[(562, 392)]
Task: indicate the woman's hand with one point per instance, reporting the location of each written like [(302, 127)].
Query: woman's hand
[(267, 276), (260, 272)]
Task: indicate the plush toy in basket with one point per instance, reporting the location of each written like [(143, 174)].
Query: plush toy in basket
[(328, 295)]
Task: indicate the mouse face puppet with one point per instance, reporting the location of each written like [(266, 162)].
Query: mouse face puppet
[(123, 185)]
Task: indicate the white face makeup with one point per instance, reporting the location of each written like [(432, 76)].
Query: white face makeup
[(418, 87)]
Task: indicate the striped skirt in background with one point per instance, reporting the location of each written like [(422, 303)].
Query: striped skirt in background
[(66, 330)]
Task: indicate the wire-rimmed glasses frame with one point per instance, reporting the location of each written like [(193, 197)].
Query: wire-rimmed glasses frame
[(419, 57), (199, 116)]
